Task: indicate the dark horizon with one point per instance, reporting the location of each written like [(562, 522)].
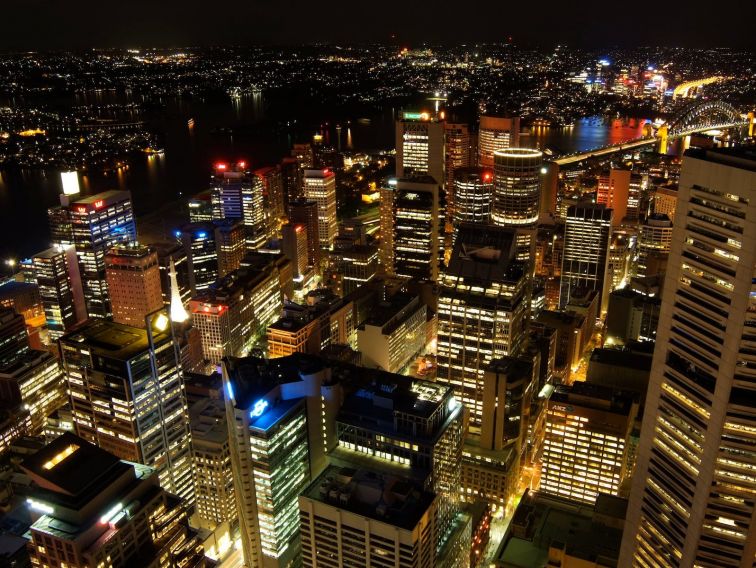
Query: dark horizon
[(48, 25)]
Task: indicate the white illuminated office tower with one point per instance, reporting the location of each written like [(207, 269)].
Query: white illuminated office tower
[(585, 260), (99, 223), (320, 186), (482, 309), (495, 134), (420, 146), (692, 500), (586, 443), (517, 195), (127, 396), (473, 193), (270, 462), (517, 186)]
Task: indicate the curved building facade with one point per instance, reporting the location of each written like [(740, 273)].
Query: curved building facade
[(517, 186), (473, 193)]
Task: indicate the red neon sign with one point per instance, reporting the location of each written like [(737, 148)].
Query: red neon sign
[(99, 203)]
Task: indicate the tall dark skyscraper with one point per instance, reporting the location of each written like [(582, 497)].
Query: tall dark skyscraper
[(418, 249), (201, 249), (53, 269), (305, 212)]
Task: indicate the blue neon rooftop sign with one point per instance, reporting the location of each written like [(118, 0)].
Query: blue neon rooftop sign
[(259, 408)]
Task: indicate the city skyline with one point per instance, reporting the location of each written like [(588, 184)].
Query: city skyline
[(478, 306)]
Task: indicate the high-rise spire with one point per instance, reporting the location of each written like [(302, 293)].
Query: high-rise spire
[(178, 312)]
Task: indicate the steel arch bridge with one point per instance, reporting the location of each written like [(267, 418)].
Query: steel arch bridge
[(704, 114), (696, 117)]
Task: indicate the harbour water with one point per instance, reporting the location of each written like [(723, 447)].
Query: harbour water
[(230, 129)]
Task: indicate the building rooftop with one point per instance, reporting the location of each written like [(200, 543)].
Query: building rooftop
[(622, 358), (113, 340), (485, 254), (70, 465), (26, 361), (208, 421), (385, 498), (591, 395), (107, 197), (743, 157), (50, 253), (544, 521), (392, 311)]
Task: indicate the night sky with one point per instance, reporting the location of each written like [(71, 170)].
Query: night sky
[(72, 24)]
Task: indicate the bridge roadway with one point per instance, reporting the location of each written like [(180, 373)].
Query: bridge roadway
[(637, 143)]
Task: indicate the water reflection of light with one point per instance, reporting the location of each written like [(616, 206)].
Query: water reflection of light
[(121, 174), (349, 138)]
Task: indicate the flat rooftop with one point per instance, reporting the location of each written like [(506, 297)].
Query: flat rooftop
[(382, 497), (542, 521), (622, 358), (70, 465), (742, 157), (113, 340)]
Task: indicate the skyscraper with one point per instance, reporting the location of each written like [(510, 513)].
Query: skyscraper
[(613, 191), (516, 196), (386, 246), (14, 340), (230, 244), (270, 464), (585, 260), (418, 246), (496, 134), (236, 310), (654, 242), (345, 521), (458, 146), (127, 396), (53, 270), (294, 247), (482, 311), (691, 502), (420, 148), (201, 254), (99, 223), (305, 212), (473, 194), (320, 186), (133, 277), (588, 429), (273, 193), (517, 186), (34, 382), (238, 195)]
